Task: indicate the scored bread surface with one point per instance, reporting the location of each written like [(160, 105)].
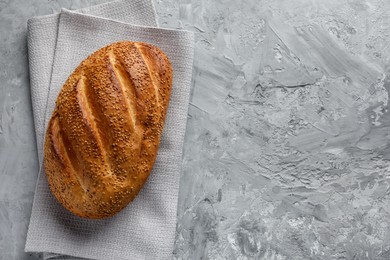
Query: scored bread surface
[(103, 136)]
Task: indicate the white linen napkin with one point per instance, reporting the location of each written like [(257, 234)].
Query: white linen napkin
[(146, 228)]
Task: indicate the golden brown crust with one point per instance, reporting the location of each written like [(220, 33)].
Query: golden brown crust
[(102, 139)]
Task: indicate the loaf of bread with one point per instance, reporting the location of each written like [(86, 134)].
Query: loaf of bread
[(103, 136)]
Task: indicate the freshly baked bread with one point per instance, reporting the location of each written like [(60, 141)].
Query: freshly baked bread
[(103, 136)]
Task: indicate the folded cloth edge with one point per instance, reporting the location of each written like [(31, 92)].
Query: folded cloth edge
[(86, 10)]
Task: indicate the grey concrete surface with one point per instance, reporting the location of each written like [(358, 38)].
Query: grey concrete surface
[(287, 145)]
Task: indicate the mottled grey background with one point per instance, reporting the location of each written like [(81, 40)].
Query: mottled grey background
[(287, 147)]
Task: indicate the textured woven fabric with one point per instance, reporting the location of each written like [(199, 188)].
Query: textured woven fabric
[(146, 228)]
